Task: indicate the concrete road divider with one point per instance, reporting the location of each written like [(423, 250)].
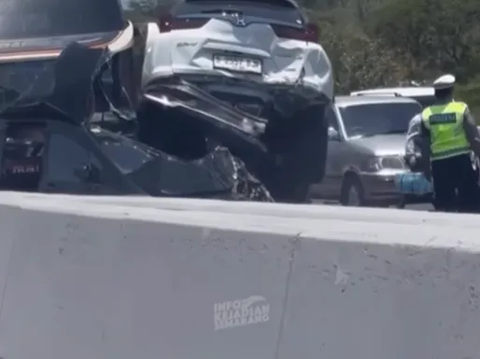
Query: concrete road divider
[(300, 212), (107, 278)]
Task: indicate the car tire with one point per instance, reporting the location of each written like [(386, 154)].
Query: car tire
[(300, 145), (312, 144), (353, 194), (288, 189), (402, 202)]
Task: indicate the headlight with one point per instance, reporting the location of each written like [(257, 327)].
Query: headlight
[(412, 148), (379, 163)]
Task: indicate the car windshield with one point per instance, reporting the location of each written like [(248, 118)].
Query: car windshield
[(26, 19), (270, 10), (425, 101), (25, 83), (48, 82), (372, 119)]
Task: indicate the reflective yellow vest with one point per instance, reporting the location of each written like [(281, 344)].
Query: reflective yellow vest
[(447, 136)]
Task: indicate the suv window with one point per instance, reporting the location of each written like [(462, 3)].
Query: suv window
[(425, 101), (268, 10), (371, 119)]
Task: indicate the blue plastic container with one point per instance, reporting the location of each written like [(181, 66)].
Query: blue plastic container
[(413, 183)]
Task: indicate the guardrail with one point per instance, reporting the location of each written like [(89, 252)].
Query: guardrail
[(86, 277)]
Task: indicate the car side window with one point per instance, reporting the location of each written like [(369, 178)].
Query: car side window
[(68, 162), (331, 117)]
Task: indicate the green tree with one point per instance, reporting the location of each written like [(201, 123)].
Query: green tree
[(359, 61), (438, 34)]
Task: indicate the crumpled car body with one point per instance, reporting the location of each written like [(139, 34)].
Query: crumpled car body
[(217, 175), (56, 103), (249, 75)]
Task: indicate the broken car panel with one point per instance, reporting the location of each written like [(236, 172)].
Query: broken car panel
[(47, 137)]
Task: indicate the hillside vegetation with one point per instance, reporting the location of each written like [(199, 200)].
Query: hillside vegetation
[(376, 43)]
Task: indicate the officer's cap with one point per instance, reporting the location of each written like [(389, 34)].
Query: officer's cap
[(444, 82)]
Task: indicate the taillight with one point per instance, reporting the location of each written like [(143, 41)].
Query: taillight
[(168, 23), (309, 33)]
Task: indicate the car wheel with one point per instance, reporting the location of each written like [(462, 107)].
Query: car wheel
[(290, 190), (402, 202), (352, 192), (299, 146), (301, 193)]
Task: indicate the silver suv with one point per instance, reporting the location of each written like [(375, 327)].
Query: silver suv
[(425, 95), (365, 149)]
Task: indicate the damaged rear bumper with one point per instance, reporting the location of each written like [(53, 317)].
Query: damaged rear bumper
[(218, 98), (194, 101)]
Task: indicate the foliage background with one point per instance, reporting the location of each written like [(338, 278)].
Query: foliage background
[(375, 43)]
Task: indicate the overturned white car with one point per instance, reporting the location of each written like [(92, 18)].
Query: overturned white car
[(246, 74)]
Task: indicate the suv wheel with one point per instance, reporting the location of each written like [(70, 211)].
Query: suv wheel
[(352, 192), (299, 146)]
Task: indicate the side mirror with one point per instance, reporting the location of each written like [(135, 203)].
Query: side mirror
[(333, 134)]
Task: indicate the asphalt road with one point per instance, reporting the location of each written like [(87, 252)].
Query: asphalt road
[(420, 207)]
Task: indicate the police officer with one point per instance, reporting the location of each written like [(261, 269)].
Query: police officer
[(448, 135), (413, 141)]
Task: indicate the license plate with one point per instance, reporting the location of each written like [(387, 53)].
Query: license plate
[(237, 64)]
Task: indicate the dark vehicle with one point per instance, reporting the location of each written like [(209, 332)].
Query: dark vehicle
[(217, 175), (48, 145), (41, 29)]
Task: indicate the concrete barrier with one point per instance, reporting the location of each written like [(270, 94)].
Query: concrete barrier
[(325, 212), (111, 278)]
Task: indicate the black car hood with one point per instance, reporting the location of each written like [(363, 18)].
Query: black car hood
[(168, 176)]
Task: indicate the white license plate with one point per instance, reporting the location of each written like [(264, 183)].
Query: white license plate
[(238, 64)]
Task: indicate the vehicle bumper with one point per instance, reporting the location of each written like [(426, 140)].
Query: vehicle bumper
[(380, 187), (202, 90), (417, 199), (177, 93)]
